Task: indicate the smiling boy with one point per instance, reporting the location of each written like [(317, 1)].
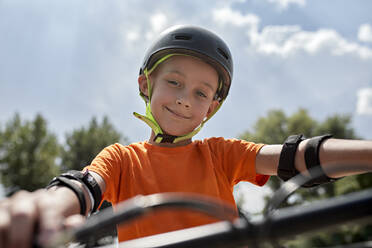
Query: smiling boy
[(185, 78), (183, 94), (182, 89)]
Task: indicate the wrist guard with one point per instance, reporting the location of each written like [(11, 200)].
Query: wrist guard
[(67, 182), (286, 167), (85, 179)]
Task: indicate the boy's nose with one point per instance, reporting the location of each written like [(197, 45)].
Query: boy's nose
[(181, 101)]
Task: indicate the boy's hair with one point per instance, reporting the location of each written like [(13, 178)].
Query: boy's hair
[(188, 41)]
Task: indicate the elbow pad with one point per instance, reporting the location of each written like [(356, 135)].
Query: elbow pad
[(286, 167), (312, 161)]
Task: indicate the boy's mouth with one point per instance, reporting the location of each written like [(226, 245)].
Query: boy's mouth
[(178, 114)]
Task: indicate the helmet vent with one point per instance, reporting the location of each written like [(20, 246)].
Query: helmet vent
[(223, 53), (182, 37)]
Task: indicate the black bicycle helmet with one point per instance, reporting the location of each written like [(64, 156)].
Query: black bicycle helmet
[(197, 42)]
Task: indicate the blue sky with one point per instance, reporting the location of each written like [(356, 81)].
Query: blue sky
[(71, 60)]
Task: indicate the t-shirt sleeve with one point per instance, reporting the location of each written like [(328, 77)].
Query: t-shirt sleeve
[(238, 160), (108, 165)]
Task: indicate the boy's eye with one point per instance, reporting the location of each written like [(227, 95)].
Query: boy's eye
[(201, 94), (173, 82)]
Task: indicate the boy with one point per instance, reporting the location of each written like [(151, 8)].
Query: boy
[(185, 77)]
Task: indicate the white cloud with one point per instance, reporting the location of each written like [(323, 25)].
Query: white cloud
[(132, 35), (365, 33), (228, 16), (275, 39), (158, 22), (289, 40), (364, 104), (283, 4)]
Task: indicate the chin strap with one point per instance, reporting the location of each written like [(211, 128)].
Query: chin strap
[(160, 135)]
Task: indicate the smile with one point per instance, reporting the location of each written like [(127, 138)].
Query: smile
[(177, 114)]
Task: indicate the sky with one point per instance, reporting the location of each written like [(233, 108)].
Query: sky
[(71, 60)]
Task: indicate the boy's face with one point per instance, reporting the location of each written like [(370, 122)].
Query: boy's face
[(183, 91)]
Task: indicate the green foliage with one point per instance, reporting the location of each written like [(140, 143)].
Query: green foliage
[(269, 130), (274, 129), (28, 153), (83, 144)]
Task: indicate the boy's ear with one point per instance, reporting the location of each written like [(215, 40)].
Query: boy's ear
[(142, 82), (212, 107)]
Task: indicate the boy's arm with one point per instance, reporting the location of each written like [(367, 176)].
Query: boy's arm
[(48, 210), (332, 153)]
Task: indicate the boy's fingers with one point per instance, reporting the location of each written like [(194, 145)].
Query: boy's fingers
[(74, 221), (50, 219), (4, 225), (27, 217), (23, 215)]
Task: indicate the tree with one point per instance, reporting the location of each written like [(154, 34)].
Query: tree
[(28, 153), (275, 128), (83, 144)]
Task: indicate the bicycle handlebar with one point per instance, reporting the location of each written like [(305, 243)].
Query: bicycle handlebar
[(282, 224)]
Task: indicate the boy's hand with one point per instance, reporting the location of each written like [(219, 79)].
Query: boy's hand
[(34, 217)]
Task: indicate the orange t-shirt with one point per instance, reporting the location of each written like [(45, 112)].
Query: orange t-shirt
[(210, 167)]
